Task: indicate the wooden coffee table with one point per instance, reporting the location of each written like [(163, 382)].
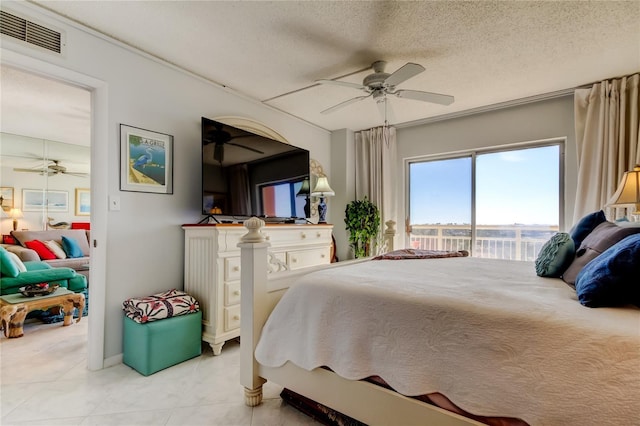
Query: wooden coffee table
[(15, 307)]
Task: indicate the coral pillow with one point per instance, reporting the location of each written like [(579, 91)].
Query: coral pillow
[(71, 247), (41, 249), (56, 249)]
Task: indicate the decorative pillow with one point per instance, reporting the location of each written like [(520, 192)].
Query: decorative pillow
[(601, 238), (71, 247), (555, 256), (41, 249), (584, 227), (56, 249), (17, 261), (7, 265), (612, 278)]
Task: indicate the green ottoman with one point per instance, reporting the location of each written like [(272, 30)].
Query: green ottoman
[(153, 346)]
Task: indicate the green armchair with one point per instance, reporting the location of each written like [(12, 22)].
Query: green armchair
[(12, 277)]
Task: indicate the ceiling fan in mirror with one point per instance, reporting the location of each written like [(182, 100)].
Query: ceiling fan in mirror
[(53, 169)]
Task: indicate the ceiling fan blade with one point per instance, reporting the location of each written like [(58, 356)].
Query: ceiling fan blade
[(404, 73), (342, 83), (417, 95), (30, 170), (344, 104), (83, 175), (245, 147)]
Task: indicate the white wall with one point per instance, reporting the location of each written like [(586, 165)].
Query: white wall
[(144, 239), (531, 122)]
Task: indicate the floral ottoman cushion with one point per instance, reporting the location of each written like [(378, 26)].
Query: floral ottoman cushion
[(160, 306)]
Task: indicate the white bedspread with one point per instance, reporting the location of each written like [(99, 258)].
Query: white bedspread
[(489, 334)]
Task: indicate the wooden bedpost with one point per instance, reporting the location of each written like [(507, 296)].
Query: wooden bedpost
[(253, 310), (389, 234)]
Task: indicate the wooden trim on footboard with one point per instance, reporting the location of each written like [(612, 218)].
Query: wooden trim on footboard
[(361, 400)]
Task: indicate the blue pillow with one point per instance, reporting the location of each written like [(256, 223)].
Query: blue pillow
[(584, 227), (71, 247), (555, 256), (611, 279)]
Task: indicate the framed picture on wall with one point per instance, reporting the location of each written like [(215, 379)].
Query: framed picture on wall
[(6, 198), (146, 160), (83, 202), (38, 200)]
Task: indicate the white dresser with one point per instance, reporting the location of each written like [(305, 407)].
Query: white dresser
[(212, 268)]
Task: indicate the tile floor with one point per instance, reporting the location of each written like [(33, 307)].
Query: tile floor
[(45, 382)]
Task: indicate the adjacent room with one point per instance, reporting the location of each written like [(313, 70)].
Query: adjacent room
[(320, 212)]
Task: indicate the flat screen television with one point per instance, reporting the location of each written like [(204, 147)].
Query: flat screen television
[(245, 174)]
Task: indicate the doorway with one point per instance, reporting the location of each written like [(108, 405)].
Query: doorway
[(98, 185)]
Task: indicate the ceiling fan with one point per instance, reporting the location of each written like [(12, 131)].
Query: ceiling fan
[(53, 169), (380, 84), (220, 138)]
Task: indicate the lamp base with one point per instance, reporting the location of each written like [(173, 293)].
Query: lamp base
[(15, 224), (322, 211)]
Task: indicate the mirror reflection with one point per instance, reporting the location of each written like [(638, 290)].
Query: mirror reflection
[(44, 184)]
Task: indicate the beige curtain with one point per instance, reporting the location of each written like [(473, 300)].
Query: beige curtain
[(607, 120), (376, 170)]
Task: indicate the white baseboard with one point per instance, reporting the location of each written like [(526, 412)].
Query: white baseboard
[(113, 360)]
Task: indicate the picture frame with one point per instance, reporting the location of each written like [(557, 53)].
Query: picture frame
[(6, 198), (38, 200), (83, 202), (146, 160)]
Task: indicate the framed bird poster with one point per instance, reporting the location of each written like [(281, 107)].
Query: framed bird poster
[(146, 160)]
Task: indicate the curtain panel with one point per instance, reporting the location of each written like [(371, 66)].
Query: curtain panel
[(607, 123), (376, 170)]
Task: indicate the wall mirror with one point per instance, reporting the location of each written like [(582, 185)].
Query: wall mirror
[(48, 182)]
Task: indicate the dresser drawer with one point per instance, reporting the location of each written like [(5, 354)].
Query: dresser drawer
[(232, 293), (298, 259), (231, 318), (300, 235), (231, 268)]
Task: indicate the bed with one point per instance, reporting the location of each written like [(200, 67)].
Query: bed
[(490, 335)]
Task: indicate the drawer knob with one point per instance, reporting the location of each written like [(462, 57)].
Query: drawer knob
[(303, 235), (236, 268), (318, 235), (294, 260), (236, 293), (236, 317), (322, 255), (267, 237)]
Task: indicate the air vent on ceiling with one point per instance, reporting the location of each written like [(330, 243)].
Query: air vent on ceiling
[(30, 32)]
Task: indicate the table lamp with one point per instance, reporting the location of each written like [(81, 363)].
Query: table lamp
[(15, 214), (628, 192), (322, 190), (305, 189)]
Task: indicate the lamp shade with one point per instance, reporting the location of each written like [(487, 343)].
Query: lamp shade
[(305, 189), (322, 188), (15, 213), (628, 192)]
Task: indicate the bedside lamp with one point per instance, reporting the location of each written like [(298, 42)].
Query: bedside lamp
[(628, 192), (15, 214), (304, 192), (322, 190)]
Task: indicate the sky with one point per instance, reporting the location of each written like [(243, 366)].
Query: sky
[(512, 187)]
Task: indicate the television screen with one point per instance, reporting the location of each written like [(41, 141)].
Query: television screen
[(246, 174)]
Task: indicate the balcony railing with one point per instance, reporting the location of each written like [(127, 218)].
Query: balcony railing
[(496, 241)]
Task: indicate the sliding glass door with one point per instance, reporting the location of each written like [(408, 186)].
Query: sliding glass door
[(496, 204)]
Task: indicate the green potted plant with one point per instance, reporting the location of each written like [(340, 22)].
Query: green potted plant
[(362, 218)]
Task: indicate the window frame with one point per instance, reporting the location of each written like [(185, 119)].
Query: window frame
[(560, 142)]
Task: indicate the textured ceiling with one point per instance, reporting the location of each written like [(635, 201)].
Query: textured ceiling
[(482, 53)]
